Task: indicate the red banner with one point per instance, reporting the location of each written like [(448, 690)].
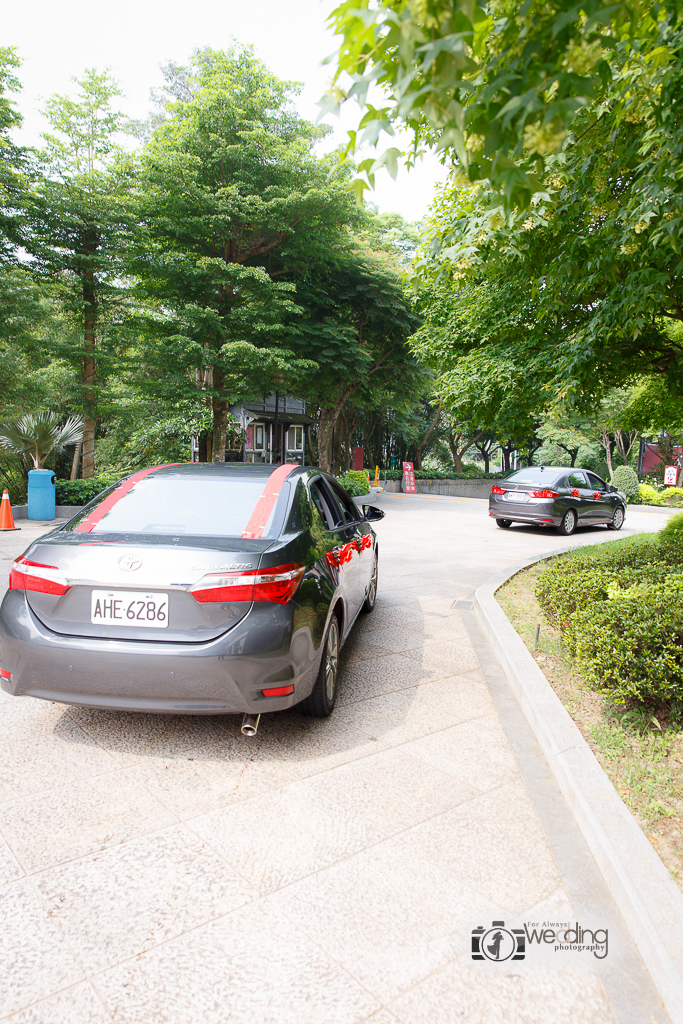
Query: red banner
[(409, 478)]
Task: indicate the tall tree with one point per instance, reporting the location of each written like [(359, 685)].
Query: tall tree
[(355, 323), (232, 201), (79, 222)]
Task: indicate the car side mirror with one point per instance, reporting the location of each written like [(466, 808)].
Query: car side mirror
[(372, 513)]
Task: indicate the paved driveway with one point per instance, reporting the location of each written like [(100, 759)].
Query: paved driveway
[(166, 869)]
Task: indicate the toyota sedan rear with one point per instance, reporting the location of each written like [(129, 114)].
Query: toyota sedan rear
[(193, 589)]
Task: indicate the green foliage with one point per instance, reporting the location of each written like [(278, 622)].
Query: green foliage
[(587, 573), (633, 649), (39, 434), (471, 471), (671, 539), (619, 609), (355, 482), (626, 480), (80, 492), (648, 495), (495, 88)]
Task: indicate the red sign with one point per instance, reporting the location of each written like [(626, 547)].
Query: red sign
[(409, 478), (670, 475)]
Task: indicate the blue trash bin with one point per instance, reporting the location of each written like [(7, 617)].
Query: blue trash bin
[(41, 494)]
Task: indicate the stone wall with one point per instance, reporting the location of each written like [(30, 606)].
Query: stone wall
[(450, 488)]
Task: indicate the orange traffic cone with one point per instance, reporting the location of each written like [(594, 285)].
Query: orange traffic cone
[(6, 517)]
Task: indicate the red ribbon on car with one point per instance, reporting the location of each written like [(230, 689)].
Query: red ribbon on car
[(264, 506)]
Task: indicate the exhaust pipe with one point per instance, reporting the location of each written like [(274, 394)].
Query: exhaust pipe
[(250, 725)]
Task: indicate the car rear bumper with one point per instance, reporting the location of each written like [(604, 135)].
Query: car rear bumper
[(223, 676), (516, 515)]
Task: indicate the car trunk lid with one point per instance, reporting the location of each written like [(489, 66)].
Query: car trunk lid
[(158, 575)]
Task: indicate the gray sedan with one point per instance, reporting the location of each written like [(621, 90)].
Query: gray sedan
[(194, 589), (556, 496)]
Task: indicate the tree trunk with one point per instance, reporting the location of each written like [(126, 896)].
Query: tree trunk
[(423, 443), (456, 451), (89, 368), (328, 418), (607, 442), (75, 462), (219, 407), (311, 450)]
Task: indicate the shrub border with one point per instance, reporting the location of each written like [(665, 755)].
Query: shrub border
[(649, 900)]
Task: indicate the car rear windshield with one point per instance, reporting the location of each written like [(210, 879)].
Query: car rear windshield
[(534, 475), (178, 506)]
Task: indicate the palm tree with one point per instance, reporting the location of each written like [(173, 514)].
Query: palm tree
[(38, 434)]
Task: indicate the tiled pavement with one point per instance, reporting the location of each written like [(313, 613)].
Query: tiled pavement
[(166, 870)]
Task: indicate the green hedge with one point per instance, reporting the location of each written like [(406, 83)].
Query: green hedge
[(80, 492), (355, 482), (440, 474), (619, 609), (625, 479), (632, 645)]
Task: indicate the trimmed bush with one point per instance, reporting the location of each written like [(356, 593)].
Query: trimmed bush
[(355, 482), (626, 480), (80, 492), (619, 608), (632, 648), (648, 495), (587, 574), (672, 496), (671, 540)]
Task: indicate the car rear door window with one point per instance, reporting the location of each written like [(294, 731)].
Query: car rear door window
[(346, 504), (576, 479), (327, 508)]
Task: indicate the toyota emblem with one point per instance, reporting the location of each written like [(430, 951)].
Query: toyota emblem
[(129, 563)]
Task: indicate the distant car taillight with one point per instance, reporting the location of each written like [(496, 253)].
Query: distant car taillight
[(34, 576), (276, 584), (545, 493), (497, 490)]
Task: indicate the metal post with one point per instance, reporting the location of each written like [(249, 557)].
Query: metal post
[(275, 438)]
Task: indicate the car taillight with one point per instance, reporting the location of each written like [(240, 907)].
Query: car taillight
[(497, 490), (4, 674), (34, 576), (276, 584), (545, 493)]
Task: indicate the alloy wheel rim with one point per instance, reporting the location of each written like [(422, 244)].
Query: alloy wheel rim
[(332, 659), (372, 589), (569, 522), (618, 517)]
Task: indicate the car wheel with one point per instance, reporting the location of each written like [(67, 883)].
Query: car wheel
[(617, 519), (369, 602), (503, 523), (568, 524), (320, 702)]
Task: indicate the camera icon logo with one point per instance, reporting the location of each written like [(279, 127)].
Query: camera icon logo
[(498, 943)]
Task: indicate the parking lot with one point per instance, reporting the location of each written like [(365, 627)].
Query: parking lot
[(168, 869)]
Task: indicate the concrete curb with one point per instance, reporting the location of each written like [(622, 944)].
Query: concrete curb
[(61, 511), (650, 902)]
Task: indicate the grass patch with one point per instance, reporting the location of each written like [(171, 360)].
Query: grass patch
[(641, 754)]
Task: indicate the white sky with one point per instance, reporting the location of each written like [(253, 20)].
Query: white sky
[(57, 39)]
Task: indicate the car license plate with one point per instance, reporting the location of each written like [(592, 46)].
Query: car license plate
[(516, 496), (129, 608)]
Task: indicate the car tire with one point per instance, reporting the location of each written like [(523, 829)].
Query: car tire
[(320, 702), (504, 523), (617, 519), (369, 602), (568, 524)]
